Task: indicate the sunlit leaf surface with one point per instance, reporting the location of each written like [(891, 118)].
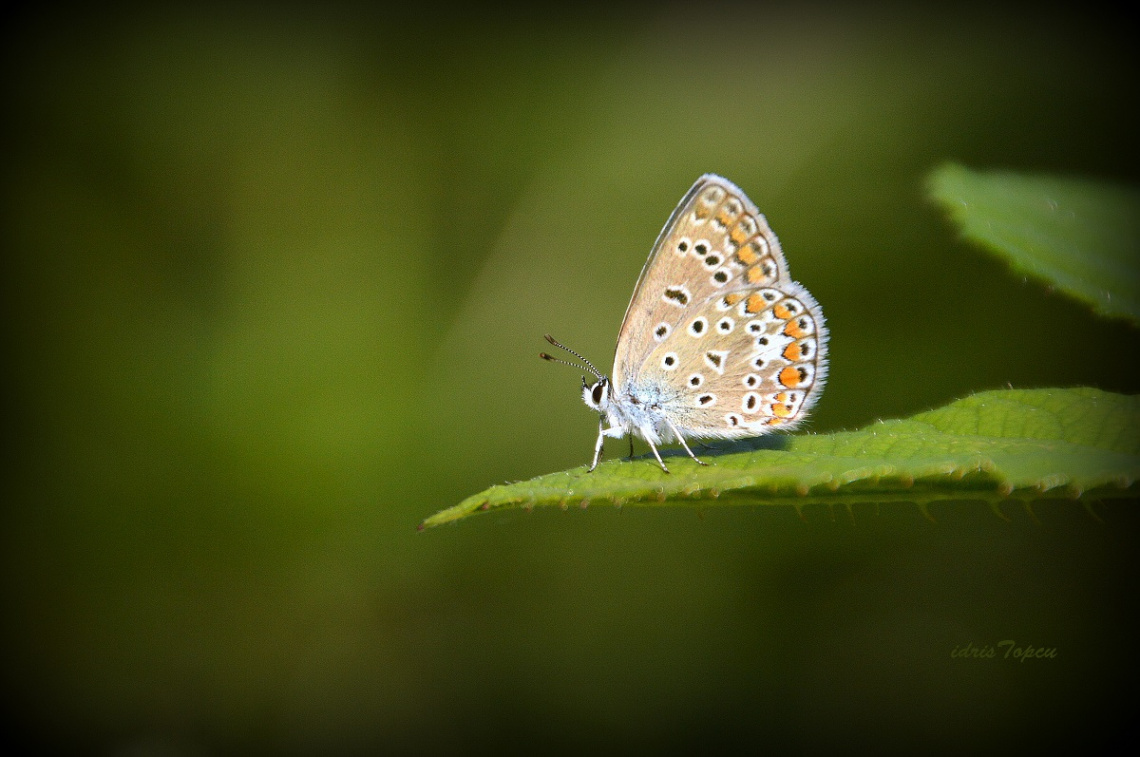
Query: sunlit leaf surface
[(1019, 444)]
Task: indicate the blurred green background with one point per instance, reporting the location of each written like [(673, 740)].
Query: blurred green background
[(275, 281)]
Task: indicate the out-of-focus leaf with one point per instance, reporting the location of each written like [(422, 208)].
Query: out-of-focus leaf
[(1081, 237)]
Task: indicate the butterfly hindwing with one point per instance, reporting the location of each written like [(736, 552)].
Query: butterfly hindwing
[(756, 363)]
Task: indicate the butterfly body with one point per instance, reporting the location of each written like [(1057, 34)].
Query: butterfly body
[(718, 341), (641, 408)]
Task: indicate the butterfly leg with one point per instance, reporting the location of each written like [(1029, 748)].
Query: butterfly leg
[(657, 454), (681, 439), (598, 447)]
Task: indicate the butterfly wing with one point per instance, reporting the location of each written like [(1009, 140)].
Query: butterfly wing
[(741, 364), (715, 242), (727, 341)]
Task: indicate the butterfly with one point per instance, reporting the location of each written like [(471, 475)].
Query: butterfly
[(718, 341)]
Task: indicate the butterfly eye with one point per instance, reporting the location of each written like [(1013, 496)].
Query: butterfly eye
[(597, 393)]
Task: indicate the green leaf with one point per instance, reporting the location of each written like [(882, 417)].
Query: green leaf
[(1012, 444), (1081, 237)]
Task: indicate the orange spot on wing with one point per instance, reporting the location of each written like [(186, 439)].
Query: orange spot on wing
[(755, 303), (793, 330), (755, 274), (775, 421), (732, 299), (782, 397), (781, 411), (781, 311), (738, 235), (789, 376), (793, 352), (702, 211), (747, 255), (725, 217)]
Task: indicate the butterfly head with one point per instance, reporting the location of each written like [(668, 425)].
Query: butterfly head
[(597, 395)]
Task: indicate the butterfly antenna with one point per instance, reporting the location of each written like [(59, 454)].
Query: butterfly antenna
[(556, 343), (553, 359)]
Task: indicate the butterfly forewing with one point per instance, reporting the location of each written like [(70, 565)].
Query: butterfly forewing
[(715, 243), (717, 331)]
